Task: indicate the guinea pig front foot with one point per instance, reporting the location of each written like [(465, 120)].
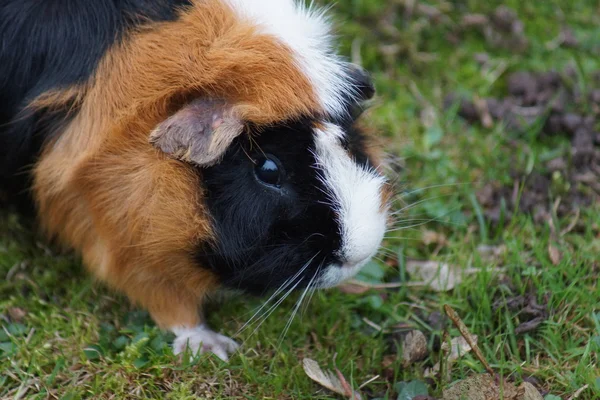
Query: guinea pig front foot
[(201, 339)]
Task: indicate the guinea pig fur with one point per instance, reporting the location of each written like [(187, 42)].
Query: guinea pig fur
[(180, 146)]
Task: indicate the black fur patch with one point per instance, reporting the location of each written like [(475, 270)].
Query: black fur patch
[(355, 142), (265, 235), (51, 44)]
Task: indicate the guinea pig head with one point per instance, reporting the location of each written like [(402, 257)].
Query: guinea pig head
[(291, 204), (295, 203)]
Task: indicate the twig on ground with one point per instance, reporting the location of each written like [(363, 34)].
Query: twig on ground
[(464, 331)]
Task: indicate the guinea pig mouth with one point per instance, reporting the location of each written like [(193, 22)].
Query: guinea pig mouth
[(334, 274)]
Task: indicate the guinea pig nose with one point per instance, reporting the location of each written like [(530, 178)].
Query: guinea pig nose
[(355, 259), (362, 81)]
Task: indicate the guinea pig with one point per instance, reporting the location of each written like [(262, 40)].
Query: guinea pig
[(182, 146)]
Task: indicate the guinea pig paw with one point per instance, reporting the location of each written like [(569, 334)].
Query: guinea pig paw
[(201, 339)]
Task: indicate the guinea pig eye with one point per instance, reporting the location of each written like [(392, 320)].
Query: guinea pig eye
[(268, 170)]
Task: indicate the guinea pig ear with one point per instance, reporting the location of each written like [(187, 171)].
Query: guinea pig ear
[(362, 82), (199, 133)]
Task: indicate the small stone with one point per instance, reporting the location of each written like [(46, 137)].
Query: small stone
[(553, 125), (556, 164), (504, 18), (470, 20), (522, 84), (549, 79), (583, 140), (482, 58), (568, 38), (571, 122)]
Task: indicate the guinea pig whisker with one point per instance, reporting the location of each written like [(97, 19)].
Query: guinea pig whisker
[(296, 307), (314, 289), (414, 239), (421, 189), (436, 219), (416, 203), (412, 220), (381, 260), (397, 219), (294, 311), (256, 314), (408, 222), (270, 311), (263, 317), (287, 283), (383, 251)]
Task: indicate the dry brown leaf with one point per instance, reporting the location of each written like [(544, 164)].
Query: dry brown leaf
[(335, 382), (459, 347), (414, 347), (578, 392), (470, 20), (438, 276), (491, 253), (484, 113), (554, 254), (16, 314), (434, 237), (352, 288), (481, 387), (388, 360)]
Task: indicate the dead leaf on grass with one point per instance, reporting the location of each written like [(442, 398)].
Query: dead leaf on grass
[(414, 347), (336, 382), (433, 237), (352, 288), (16, 314), (491, 253), (554, 254), (458, 348), (578, 392), (439, 276)]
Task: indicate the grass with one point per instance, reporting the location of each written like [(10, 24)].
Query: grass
[(67, 337)]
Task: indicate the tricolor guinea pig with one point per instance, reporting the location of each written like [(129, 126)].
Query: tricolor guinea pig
[(185, 146)]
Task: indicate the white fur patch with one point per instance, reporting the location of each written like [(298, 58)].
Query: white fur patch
[(355, 193), (307, 31), (202, 339)]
